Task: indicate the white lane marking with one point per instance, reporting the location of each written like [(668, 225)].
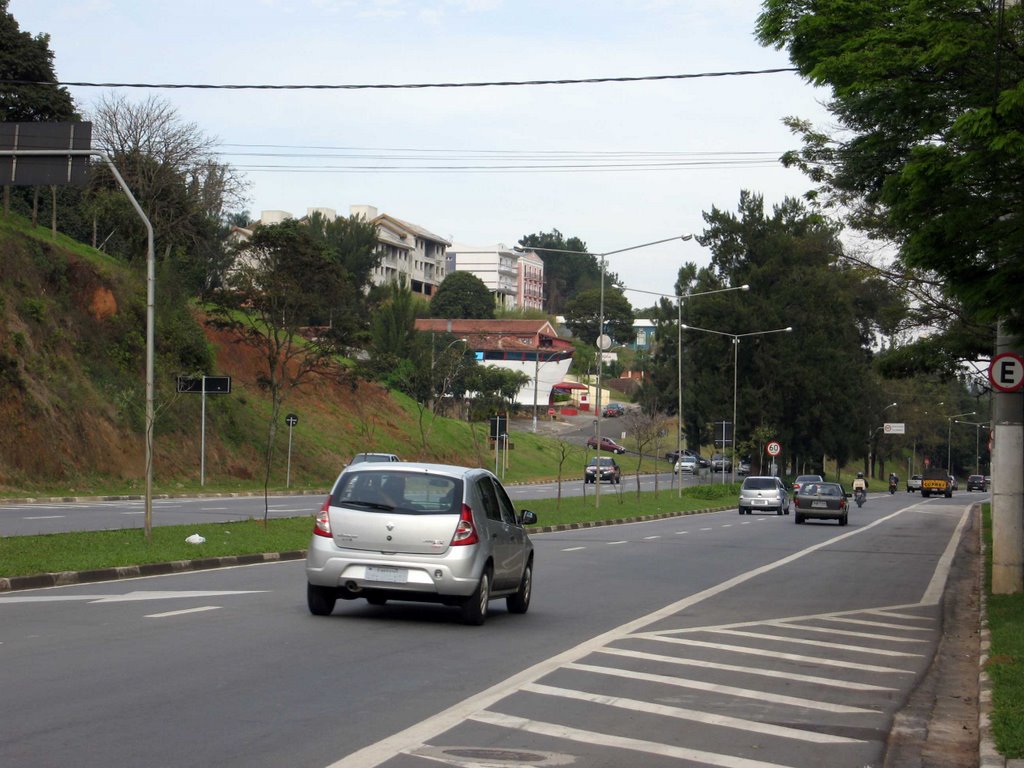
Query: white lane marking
[(933, 593), (573, 549), (680, 533), (45, 517), (623, 541), (683, 662), (707, 529), (888, 613), (848, 633), (816, 643), (416, 735), (125, 598), (775, 655), (728, 690), (646, 538), (182, 612), (879, 624), (141, 512), (617, 742), (681, 713)]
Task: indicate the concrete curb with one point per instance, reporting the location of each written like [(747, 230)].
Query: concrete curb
[(66, 578), (988, 755)]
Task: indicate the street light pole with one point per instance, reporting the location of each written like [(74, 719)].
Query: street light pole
[(735, 364), (871, 439), (977, 442), (600, 331), (949, 438)]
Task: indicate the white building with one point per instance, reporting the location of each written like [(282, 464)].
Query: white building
[(406, 250), (495, 265)]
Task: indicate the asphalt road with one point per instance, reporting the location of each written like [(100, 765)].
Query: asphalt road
[(20, 519), (716, 639)]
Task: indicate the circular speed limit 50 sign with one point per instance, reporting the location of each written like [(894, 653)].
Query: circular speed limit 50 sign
[(774, 449)]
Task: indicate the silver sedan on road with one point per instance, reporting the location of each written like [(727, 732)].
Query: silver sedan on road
[(421, 532)]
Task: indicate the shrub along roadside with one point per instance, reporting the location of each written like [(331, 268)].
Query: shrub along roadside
[(1005, 665), (82, 551)]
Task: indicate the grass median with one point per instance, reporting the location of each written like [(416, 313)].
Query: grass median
[(1005, 665), (84, 551)]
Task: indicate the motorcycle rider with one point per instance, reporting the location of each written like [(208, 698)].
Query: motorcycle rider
[(894, 481), (860, 484)]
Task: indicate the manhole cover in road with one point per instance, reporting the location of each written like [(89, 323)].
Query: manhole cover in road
[(482, 757)]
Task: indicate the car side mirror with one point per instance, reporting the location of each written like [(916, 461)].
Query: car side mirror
[(526, 517)]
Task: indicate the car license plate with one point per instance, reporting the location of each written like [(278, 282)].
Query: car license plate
[(391, 575), (760, 502), (819, 504)]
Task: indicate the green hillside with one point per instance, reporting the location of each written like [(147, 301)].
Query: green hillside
[(72, 392)]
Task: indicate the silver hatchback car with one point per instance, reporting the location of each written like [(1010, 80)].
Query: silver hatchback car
[(762, 492), (421, 532)]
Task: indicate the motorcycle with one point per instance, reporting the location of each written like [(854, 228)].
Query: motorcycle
[(859, 496), (892, 487)]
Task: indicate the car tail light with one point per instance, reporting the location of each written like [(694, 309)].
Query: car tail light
[(465, 531), (322, 526), (842, 503)]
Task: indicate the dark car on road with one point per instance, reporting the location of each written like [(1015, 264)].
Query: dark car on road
[(609, 470), (612, 410), (976, 483), (821, 501), (607, 444)]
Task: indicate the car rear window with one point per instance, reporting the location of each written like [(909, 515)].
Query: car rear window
[(406, 492), (759, 483)]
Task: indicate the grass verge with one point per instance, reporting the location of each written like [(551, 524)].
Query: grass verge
[(54, 553), (1005, 666)]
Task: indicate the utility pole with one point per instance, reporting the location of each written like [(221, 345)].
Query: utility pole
[(1007, 470)]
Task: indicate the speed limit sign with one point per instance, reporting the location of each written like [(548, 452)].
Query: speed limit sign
[(774, 449)]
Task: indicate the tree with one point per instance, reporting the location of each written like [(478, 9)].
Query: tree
[(173, 171), (28, 85), (267, 303), (565, 274), (928, 96), (583, 313), (464, 296)]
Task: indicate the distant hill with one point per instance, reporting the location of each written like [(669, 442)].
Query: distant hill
[(72, 388)]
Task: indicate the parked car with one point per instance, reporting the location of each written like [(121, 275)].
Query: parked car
[(687, 465), (612, 410), (743, 467), (953, 483), (720, 463), (821, 501), (976, 483), (420, 532), (763, 492), (378, 457), (914, 483), (802, 479), (609, 470), (607, 444)]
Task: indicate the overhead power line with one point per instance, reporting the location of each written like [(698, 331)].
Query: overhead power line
[(400, 86)]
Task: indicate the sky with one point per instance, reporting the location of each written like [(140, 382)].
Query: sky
[(615, 164)]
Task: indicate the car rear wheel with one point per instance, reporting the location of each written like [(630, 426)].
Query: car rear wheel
[(798, 518), (519, 602), (474, 609), (320, 599), (842, 520)]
